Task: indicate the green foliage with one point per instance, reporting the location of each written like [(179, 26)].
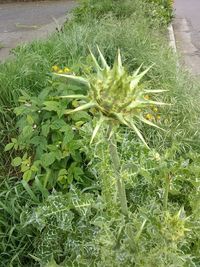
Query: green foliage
[(48, 139), (75, 221), (162, 10)]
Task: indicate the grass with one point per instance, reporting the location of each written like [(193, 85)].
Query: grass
[(142, 40)]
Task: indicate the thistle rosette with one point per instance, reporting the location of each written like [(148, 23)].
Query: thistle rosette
[(116, 95)]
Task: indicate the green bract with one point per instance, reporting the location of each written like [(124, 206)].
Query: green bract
[(116, 95)]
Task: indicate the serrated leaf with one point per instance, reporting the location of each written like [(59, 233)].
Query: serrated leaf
[(68, 136)]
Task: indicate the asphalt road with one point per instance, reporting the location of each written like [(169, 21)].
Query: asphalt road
[(187, 32), (190, 9), (24, 22)]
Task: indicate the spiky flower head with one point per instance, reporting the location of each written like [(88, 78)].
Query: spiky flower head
[(115, 94)]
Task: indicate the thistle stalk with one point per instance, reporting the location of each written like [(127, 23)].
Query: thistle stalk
[(114, 156)]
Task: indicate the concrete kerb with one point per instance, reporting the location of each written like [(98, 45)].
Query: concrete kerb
[(172, 41)]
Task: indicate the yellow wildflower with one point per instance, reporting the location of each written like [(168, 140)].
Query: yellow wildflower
[(66, 70), (155, 109), (149, 117), (60, 71), (146, 97), (158, 117), (55, 68)]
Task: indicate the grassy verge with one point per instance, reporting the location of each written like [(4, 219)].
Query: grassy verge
[(77, 223)]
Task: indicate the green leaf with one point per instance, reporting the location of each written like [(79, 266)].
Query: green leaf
[(27, 131), (69, 135), (81, 115), (57, 124), (74, 96), (96, 129), (155, 91), (51, 106), (16, 161), (83, 107), (77, 79), (137, 77), (9, 146), (149, 122), (132, 125), (47, 159), (45, 129), (27, 175), (30, 120), (103, 61)]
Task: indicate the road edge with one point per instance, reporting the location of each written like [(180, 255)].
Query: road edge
[(172, 40)]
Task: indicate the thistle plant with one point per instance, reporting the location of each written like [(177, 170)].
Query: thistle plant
[(118, 98)]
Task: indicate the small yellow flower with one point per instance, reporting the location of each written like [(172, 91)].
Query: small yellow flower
[(146, 97), (158, 117), (66, 70), (60, 71), (55, 68), (149, 117), (155, 109)]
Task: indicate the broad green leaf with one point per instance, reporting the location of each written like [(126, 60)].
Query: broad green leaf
[(30, 119), (47, 159), (9, 146), (81, 115), (68, 135), (57, 124), (51, 106), (27, 131), (45, 129), (16, 162)]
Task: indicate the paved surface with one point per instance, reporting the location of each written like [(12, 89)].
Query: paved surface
[(187, 32), (24, 22)]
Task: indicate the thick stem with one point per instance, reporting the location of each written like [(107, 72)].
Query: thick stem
[(116, 165)]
